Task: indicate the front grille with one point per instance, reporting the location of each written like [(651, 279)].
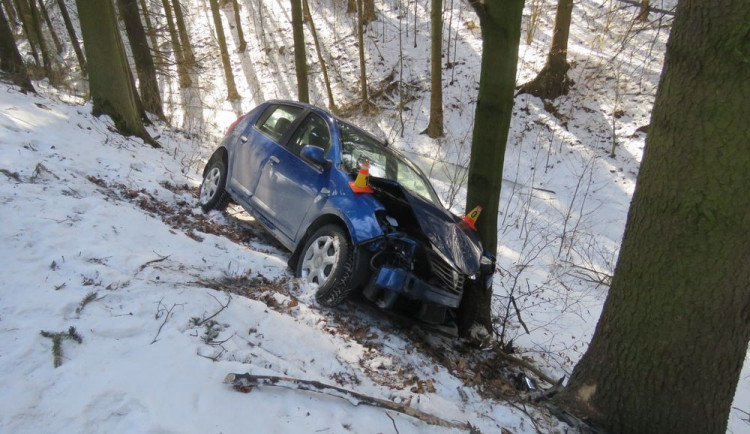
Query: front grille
[(448, 277)]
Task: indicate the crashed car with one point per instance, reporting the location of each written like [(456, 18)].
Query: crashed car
[(303, 173)]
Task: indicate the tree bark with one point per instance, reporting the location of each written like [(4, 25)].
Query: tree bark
[(10, 59), (300, 60), (182, 67), (156, 53), (36, 29), (311, 23), (362, 65), (501, 34), (144, 63), (435, 124), (72, 35), (22, 6), (552, 81), (12, 17), (669, 346), (369, 15), (55, 38), (187, 48), (233, 95), (643, 13), (110, 81), (351, 6), (238, 22)]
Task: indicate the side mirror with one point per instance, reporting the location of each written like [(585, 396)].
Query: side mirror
[(315, 155)]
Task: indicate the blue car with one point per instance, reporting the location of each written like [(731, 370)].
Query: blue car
[(301, 172)]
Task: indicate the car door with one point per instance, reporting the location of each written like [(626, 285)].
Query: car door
[(288, 184), (258, 142)]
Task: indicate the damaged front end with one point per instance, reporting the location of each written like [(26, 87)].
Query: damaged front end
[(426, 259)]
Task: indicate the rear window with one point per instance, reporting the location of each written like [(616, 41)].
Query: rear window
[(277, 119)]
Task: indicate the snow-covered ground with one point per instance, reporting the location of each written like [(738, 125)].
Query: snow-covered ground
[(91, 215)]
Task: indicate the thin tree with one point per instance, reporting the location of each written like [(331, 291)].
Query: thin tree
[(500, 23), (351, 6), (238, 24), (182, 67), (368, 15), (11, 61), (151, 32), (643, 13), (187, 47), (110, 82), (435, 124), (11, 11), (323, 68), (233, 95), (362, 67), (72, 35), (36, 29), (552, 81), (669, 347), (22, 6), (144, 63), (50, 27), (300, 60)]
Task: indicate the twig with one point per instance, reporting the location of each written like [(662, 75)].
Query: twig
[(217, 312), (518, 314), (246, 382), (393, 422), (649, 8), (162, 309), (526, 365), (153, 261), (57, 339)]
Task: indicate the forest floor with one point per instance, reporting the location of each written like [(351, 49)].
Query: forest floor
[(104, 234)]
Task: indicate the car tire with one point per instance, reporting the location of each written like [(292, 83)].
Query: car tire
[(328, 257), (212, 194)]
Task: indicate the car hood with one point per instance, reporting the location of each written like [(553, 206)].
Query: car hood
[(445, 232)]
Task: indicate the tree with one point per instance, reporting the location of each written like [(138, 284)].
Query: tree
[(327, 82), (552, 81), (669, 346), (435, 125), (12, 19), (156, 53), (50, 27), (368, 15), (242, 46), (144, 63), (362, 66), (500, 22), (300, 61), (110, 82), (187, 48), (10, 59), (72, 35), (182, 67), (233, 95), (22, 6), (36, 29)]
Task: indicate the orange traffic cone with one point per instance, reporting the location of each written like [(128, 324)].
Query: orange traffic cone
[(471, 218), (362, 184)]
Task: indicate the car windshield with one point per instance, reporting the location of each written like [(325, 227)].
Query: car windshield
[(357, 147)]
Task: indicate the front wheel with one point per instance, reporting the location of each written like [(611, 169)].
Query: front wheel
[(327, 263), (212, 192)]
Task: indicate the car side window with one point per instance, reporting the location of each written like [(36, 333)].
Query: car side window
[(277, 122), (313, 131)]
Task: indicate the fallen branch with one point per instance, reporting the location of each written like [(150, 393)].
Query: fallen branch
[(245, 383), (526, 365), (57, 339)]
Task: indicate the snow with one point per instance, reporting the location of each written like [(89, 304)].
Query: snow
[(83, 212)]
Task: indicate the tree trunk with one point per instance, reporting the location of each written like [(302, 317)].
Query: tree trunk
[(182, 67), (36, 29), (22, 6), (669, 346), (55, 38), (369, 15), (156, 53), (501, 35), (643, 13), (351, 6), (187, 48), (311, 23), (238, 23), (362, 66), (144, 63), (225, 61), (300, 61), (72, 35), (10, 59), (110, 82), (435, 125), (12, 17), (552, 81)]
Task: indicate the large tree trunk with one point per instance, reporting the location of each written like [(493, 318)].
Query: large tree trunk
[(182, 67), (669, 347), (300, 61), (12, 17), (72, 35), (552, 81), (435, 125), (110, 82), (144, 63), (233, 95), (187, 47), (501, 34), (324, 70), (10, 59)]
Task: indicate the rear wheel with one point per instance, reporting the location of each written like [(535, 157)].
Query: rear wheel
[(212, 192), (327, 263)]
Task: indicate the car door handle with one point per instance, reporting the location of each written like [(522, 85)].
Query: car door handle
[(243, 139), (274, 159)]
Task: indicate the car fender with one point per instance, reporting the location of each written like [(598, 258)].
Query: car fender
[(357, 212)]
